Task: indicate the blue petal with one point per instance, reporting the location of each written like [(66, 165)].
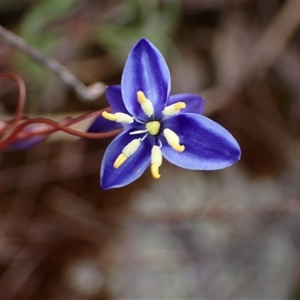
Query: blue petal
[(26, 143), (208, 145), (102, 125), (114, 97), (145, 70), (132, 168), (194, 103)]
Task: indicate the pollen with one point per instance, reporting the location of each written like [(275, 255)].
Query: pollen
[(118, 117), (173, 140), (108, 116), (156, 161), (120, 160), (173, 108), (129, 150), (153, 127), (146, 104)]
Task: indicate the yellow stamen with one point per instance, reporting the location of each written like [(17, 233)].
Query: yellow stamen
[(156, 161), (146, 104), (108, 116), (153, 127), (129, 149), (118, 117), (179, 105), (155, 171), (178, 148), (174, 108), (173, 140), (141, 97), (119, 161)]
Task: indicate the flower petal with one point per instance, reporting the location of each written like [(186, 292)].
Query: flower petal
[(194, 103), (145, 70), (114, 97), (21, 144), (208, 145), (102, 125), (26, 143), (131, 169)]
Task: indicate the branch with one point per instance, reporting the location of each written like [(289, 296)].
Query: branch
[(86, 93)]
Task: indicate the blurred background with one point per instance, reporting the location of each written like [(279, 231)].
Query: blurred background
[(228, 234)]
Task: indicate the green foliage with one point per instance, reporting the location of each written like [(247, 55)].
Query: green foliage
[(34, 25), (140, 19), (36, 31)]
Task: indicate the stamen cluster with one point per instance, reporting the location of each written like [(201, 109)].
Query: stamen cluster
[(157, 124), (151, 127)]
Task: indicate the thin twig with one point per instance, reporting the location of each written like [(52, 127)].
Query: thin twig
[(86, 93), (56, 126), (22, 94)]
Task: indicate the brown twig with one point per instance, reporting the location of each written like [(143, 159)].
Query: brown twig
[(86, 93), (15, 130)]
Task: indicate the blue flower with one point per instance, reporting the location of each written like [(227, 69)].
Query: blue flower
[(157, 125), (27, 143)]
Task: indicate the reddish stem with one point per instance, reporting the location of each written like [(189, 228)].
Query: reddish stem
[(57, 126), (17, 127), (22, 94)]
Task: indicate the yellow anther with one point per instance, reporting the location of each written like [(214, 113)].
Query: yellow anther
[(108, 116), (118, 117), (179, 105), (146, 104), (155, 171), (141, 97), (156, 161), (174, 108), (178, 148), (119, 161), (153, 127), (173, 140), (129, 149)]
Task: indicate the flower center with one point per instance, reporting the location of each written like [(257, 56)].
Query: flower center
[(153, 127)]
